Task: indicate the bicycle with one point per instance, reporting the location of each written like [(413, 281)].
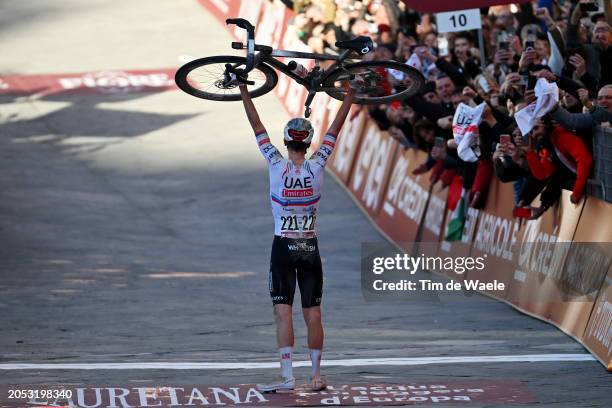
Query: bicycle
[(215, 78)]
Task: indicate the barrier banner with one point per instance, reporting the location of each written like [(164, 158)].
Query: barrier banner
[(584, 271), (496, 237), (343, 158), (405, 199), (223, 9), (541, 257), (324, 110), (433, 222), (105, 82), (598, 334), (372, 168)]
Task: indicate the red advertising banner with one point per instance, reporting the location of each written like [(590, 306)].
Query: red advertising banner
[(585, 269), (89, 82), (372, 168), (405, 199), (223, 9), (541, 257), (342, 160), (435, 6), (496, 238)]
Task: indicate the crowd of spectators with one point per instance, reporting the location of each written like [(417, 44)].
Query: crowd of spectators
[(564, 42)]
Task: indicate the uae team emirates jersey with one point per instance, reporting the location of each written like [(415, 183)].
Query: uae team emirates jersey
[(295, 191)]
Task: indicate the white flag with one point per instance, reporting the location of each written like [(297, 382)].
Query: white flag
[(415, 62), (465, 131), (547, 96)]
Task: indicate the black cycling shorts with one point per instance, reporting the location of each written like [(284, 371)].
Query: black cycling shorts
[(291, 259)]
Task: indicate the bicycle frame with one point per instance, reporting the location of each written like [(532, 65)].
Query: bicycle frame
[(309, 83)]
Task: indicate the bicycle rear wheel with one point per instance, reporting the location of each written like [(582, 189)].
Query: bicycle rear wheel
[(377, 76), (204, 78)]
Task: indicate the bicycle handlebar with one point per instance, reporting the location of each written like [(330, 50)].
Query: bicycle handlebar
[(245, 24), (242, 23)]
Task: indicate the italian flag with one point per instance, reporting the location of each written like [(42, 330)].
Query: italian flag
[(457, 195)]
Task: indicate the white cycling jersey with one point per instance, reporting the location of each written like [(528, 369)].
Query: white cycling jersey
[(295, 191)]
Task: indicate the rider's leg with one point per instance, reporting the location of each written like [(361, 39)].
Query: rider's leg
[(310, 281), (312, 317), (284, 337)]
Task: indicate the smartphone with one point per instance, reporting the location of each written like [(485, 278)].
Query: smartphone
[(502, 40), (591, 6), (531, 82), (442, 45), (524, 80), (482, 82), (504, 140), (529, 44), (439, 141)]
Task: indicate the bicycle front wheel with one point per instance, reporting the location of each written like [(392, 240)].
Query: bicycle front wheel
[(204, 78), (383, 81)]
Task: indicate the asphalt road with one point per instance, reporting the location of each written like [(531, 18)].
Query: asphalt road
[(136, 227)]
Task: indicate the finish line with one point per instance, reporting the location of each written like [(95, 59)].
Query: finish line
[(413, 361)]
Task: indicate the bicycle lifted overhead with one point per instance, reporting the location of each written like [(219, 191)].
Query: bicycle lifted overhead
[(215, 78)]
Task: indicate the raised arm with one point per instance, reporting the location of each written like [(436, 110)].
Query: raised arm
[(329, 140), (269, 152), (250, 110), (342, 112)]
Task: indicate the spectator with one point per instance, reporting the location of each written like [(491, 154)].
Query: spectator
[(564, 51)]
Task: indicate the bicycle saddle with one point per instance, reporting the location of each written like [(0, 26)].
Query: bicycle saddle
[(360, 44)]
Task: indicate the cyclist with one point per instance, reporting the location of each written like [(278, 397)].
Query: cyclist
[(295, 190)]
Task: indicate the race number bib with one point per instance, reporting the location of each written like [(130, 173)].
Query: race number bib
[(298, 223)]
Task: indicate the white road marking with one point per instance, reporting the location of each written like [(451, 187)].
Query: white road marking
[(412, 361)]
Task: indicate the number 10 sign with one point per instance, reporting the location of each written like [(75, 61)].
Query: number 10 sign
[(459, 20)]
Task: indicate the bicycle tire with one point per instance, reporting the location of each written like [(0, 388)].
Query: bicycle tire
[(416, 78), (182, 81)]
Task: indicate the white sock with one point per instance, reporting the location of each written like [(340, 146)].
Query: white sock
[(315, 358), (286, 354)]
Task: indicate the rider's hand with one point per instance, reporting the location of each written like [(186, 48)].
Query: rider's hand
[(235, 81)]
